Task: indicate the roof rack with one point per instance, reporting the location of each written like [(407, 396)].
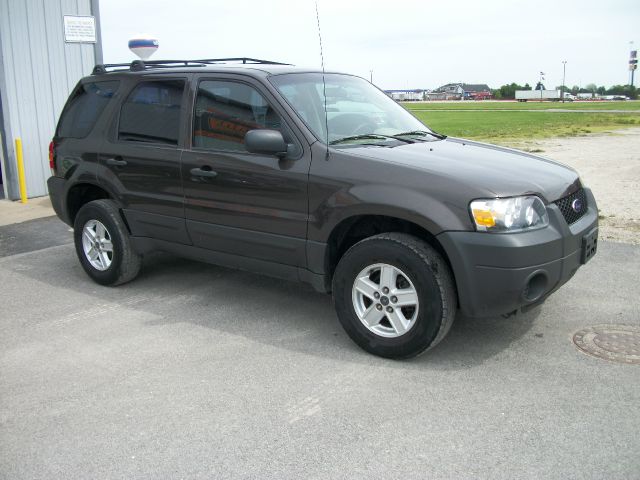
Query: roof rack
[(139, 65)]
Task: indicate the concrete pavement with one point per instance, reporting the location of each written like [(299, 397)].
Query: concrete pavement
[(195, 371), (16, 212)]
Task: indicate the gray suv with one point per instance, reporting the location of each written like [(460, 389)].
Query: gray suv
[(313, 177)]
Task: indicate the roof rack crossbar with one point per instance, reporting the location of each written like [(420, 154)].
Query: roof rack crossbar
[(138, 65), (244, 60)]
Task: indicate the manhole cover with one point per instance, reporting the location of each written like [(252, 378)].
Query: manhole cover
[(618, 343)]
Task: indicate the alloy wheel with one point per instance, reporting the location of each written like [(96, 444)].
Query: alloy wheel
[(385, 300), (97, 245)]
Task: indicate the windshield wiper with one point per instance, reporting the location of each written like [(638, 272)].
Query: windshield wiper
[(422, 133), (368, 136)]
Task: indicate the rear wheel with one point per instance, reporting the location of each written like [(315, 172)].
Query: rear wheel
[(103, 245), (394, 295)]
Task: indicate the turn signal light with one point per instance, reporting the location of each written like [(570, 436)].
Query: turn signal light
[(484, 218)]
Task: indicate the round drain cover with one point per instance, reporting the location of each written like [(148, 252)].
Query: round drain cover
[(618, 343)]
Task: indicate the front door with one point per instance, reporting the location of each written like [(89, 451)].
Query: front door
[(142, 159), (237, 202)]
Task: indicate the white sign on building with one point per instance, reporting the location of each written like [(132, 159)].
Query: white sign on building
[(79, 29)]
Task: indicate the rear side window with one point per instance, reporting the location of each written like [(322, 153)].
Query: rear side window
[(84, 108), (151, 112)]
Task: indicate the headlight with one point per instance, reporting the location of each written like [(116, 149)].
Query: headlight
[(509, 214)]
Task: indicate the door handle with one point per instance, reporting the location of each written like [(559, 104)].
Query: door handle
[(116, 162), (203, 172)]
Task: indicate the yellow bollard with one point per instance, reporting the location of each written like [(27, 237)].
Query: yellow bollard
[(21, 179)]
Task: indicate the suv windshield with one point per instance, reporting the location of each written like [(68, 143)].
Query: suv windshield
[(356, 110)]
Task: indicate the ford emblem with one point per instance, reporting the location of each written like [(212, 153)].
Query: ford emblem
[(577, 205)]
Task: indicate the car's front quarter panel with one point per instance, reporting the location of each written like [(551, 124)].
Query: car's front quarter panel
[(345, 185)]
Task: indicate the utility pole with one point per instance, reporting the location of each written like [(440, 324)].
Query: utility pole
[(371, 76), (564, 71), (633, 61)]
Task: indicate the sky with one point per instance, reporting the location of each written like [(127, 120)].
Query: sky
[(401, 45)]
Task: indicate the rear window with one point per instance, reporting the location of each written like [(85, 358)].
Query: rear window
[(84, 108), (151, 113)]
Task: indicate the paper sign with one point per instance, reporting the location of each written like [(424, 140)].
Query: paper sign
[(79, 29)]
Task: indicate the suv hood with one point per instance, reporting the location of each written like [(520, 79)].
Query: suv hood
[(494, 171)]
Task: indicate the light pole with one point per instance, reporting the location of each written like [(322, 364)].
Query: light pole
[(632, 59), (564, 71), (371, 76)]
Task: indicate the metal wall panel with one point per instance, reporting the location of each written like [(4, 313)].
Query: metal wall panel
[(38, 71)]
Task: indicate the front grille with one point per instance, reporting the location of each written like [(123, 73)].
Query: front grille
[(566, 206)]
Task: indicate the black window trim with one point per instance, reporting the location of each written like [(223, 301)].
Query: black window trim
[(269, 98), (134, 84)]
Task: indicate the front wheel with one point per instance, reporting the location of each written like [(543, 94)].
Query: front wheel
[(103, 245), (394, 295)]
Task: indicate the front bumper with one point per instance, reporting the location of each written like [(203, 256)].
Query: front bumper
[(500, 273)]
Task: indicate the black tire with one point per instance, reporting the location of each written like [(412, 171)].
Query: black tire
[(426, 270), (125, 262)]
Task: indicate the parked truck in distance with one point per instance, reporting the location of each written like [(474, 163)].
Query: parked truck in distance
[(539, 95)]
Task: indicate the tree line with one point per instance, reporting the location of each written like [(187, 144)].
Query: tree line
[(508, 92)]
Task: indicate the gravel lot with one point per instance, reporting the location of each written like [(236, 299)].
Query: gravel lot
[(610, 166)]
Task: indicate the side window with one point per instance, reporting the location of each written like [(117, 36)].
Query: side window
[(84, 108), (151, 112), (226, 111)]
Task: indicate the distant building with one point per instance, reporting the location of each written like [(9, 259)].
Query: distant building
[(436, 96), (464, 91), (406, 95), (450, 91)]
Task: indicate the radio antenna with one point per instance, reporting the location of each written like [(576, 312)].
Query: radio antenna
[(324, 83)]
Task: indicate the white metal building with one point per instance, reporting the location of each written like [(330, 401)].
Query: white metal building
[(406, 95), (46, 46)]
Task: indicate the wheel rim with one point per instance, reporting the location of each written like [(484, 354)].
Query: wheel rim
[(385, 300), (97, 245)]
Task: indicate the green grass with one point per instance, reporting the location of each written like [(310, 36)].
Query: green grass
[(631, 106), (510, 125)]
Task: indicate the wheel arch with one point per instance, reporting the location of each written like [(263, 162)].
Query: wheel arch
[(82, 193), (355, 228)]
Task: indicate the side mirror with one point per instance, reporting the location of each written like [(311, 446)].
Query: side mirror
[(265, 141)]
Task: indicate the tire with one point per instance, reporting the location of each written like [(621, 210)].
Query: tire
[(423, 283), (114, 262)]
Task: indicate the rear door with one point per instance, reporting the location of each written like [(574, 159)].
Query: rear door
[(141, 157), (237, 202)]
